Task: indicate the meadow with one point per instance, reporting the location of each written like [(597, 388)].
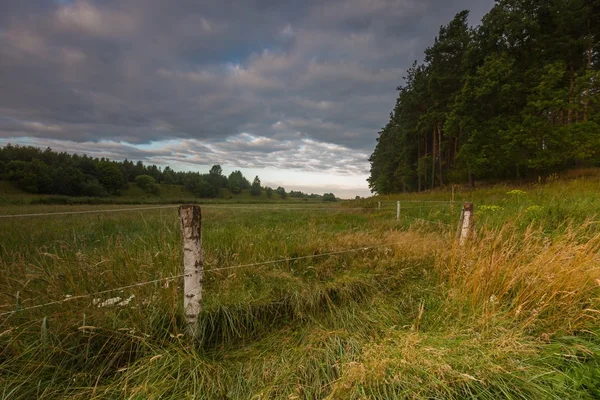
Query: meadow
[(408, 313)]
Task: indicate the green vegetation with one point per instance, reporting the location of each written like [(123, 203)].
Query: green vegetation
[(255, 189), (514, 98), (514, 314), (99, 180)]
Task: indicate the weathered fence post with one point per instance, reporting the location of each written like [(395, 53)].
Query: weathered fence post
[(398, 210), (378, 205), (193, 265), (466, 223)]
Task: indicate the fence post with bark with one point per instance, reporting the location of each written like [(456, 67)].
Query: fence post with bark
[(193, 265), (466, 223)]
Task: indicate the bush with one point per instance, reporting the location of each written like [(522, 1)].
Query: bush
[(204, 189), (91, 187), (329, 197), (147, 183)]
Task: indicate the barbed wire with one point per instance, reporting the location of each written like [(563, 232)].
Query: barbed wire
[(422, 201), (425, 220), (210, 207), (85, 212), (171, 278), (84, 296)]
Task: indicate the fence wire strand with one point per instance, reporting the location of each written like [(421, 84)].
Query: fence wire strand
[(104, 211), (425, 220), (172, 278)]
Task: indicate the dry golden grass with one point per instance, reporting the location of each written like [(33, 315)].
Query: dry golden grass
[(530, 278)]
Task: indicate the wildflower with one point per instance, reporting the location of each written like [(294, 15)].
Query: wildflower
[(491, 208)]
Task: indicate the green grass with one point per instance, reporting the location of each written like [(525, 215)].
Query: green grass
[(512, 315)]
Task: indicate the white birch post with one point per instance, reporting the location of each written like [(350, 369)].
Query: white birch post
[(193, 265), (378, 205), (398, 211), (466, 222)]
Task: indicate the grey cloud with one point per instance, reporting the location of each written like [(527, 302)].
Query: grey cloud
[(139, 71)]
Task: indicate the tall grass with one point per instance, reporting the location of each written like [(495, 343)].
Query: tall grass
[(511, 315), (532, 278)]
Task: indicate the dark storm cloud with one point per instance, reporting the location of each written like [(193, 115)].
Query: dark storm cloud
[(244, 79)]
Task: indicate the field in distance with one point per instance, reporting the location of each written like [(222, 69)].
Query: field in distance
[(399, 310)]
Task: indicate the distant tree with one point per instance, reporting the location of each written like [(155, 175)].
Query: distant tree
[(67, 181), (111, 176), (155, 172), (197, 184), (216, 170), (236, 182), (204, 189), (216, 178), (89, 166), (269, 191), (255, 189), (329, 197), (282, 193), (298, 193), (33, 176), (126, 169), (169, 176), (139, 169)]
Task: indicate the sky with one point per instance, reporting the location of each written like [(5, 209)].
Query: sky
[(292, 91)]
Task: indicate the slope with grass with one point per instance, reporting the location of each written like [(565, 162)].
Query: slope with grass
[(514, 314)]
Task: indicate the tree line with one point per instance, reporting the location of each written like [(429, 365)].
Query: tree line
[(49, 172), (515, 97)]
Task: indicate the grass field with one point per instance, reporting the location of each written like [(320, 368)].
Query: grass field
[(514, 314)]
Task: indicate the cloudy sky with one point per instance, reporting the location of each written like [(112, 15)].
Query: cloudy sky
[(292, 91)]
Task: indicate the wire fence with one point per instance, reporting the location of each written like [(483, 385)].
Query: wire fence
[(427, 221), (252, 208), (172, 278), (428, 205)]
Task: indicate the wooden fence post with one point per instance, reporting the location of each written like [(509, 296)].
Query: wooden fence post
[(378, 205), (466, 223), (193, 265), (398, 211)]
